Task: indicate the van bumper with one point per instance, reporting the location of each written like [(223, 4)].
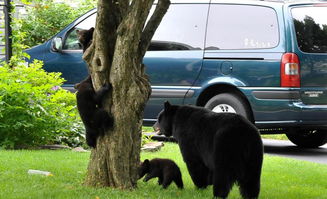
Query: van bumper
[(283, 108)]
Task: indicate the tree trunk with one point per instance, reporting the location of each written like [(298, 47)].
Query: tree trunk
[(119, 43)]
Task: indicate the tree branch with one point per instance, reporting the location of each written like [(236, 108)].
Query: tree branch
[(105, 33), (138, 9), (152, 25)]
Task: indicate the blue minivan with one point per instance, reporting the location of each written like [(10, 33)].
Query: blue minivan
[(265, 60)]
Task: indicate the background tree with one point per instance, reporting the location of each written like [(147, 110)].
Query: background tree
[(120, 41)]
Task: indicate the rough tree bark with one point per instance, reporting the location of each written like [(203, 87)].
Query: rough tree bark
[(120, 40)]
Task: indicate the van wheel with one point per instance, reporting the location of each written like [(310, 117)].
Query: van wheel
[(308, 138), (229, 103)]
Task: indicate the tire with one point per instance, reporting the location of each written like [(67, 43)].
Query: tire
[(228, 102), (308, 138)]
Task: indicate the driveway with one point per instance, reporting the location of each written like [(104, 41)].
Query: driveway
[(277, 147), (289, 150)]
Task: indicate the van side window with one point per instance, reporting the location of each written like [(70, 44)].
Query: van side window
[(71, 41), (311, 28), (182, 28), (241, 27)]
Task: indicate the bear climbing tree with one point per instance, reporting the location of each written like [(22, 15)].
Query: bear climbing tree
[(120, 40)]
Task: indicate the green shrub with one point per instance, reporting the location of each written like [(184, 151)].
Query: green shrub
[(34, 110), (45, 18), (146, 139)]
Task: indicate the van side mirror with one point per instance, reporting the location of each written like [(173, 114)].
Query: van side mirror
[(57, 44)]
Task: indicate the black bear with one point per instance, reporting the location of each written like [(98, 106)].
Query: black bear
[(85, 37), (218, 148), (89, 104), (166, 170)]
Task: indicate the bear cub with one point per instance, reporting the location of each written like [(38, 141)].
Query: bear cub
[(85, 37), (166, 170), (89, 104)]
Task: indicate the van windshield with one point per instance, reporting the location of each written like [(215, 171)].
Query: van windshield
[(311, 28)]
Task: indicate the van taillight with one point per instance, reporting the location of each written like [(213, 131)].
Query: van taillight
[(290, 70)]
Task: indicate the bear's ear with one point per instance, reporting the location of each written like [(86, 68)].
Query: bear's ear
[(77, 85), (146, 161), (167, 106), (146, 164)]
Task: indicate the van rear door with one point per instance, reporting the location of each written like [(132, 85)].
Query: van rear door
[(310, 27)]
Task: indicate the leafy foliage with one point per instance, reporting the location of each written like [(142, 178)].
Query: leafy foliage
[(145, 139), (45, 18), (34, 110)]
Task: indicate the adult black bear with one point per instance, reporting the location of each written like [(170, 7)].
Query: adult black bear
[(166, 170), (85, 37), (89, 104), (218, 148)]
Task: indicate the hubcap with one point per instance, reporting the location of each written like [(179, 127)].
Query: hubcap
[(223, 108)]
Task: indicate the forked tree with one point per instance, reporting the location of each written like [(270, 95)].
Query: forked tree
[(120, 40)]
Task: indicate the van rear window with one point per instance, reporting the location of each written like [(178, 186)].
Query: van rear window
[(311, 28), (241, 27)]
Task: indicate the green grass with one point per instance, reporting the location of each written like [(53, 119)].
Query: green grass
[(275, 136), (281, 178), (147, 129)]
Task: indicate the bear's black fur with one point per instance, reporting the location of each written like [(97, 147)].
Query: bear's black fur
[(166, 170), (89, 103), (218, 148), (85, 37)]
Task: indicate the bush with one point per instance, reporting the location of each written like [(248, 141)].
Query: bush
[(34, 110), (45, 18), (145, 139)]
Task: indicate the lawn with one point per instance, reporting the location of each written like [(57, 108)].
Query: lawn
[(281, 178)]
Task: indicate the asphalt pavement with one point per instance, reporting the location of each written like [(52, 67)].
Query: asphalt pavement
[(282, 148), (288, 149)]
